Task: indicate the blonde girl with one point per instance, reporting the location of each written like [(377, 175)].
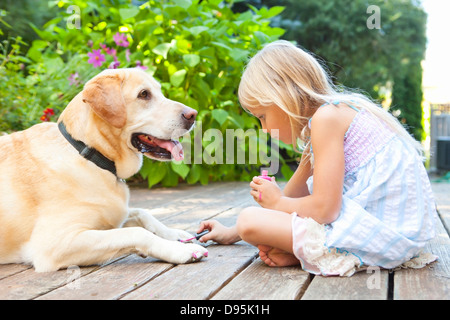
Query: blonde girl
[(360, 195)]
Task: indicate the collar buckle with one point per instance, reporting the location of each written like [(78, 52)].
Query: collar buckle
[(87, 152)]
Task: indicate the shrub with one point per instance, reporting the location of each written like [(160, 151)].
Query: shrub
[(196, 49)]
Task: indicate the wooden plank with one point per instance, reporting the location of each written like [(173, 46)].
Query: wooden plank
[(112, 281), (261, 282), (7, 270), (198, 281), (364, 285), (204, 200), (431, 282), (209, 209), (30, 284), (159, 197)]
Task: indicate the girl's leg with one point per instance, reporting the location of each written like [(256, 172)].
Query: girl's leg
[(271, 232)]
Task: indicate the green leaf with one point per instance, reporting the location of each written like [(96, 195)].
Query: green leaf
[(171, 178), (219, 115), (47, 35), (153, 171), (181, 169), (185, 4), (276, 10), (286, 171), (126, 14), (204, 177), (216, 2), (194, 174), (239, 54), (220, 44), (178, 77), (219, 83), (191, 59), (197, 30), (54, 64), (237, 120), (162, 49), (35, 51), (245, 16)]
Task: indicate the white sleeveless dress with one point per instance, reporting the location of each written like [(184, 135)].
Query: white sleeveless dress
[(388, 211)]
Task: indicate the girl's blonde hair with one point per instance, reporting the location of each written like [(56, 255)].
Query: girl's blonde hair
[(284, 75)]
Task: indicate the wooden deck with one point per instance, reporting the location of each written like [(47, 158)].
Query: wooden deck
[(231, 272)]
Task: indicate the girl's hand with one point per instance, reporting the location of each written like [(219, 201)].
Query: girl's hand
[(218, 232), (266, 193)]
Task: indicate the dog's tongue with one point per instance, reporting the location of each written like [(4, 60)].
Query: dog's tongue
[(174, 147)]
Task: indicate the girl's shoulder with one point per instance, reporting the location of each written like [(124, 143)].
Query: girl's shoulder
[(335, 117)]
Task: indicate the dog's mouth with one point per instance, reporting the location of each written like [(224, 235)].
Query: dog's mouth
[(158, 149)]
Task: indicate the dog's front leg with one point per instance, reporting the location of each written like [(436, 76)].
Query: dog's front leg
[(143, 218), (99, 246)]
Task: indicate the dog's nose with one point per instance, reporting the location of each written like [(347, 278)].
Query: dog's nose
[(189, 116)]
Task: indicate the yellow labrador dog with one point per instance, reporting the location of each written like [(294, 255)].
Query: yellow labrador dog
[(62, 198)]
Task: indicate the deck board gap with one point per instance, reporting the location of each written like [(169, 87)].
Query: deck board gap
[(391, 284), (304, 287)]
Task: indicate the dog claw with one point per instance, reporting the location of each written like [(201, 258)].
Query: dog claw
[(197, 255)]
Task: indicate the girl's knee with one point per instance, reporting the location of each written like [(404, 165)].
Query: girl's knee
[(246, 222)]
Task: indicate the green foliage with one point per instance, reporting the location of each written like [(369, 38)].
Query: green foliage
[(37, 79), (196, 49), (11, 62), (20, 13), (408, 94), (408, 28)]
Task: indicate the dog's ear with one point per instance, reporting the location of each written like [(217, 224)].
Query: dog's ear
[(104, 95)]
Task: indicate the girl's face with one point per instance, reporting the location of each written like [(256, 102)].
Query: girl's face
[(273, 118)]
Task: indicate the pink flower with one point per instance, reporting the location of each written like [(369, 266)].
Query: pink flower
[(104, 47), (138, 65), (96, 58), (121, 40), (127, 55), (73, 79), (114, 65), (110, 51)]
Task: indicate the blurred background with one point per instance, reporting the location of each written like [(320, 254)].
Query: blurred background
[(395, 51)]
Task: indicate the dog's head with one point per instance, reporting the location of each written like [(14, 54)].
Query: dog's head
[(132, 101)]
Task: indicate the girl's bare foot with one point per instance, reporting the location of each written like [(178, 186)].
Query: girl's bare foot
[(274, 257)]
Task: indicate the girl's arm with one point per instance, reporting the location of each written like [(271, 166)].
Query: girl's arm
[(296, 186), (327, 136)]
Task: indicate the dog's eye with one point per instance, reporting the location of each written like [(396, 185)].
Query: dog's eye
[(144, 94)]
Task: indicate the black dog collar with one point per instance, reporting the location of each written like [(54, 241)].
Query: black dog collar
[(90, 154)]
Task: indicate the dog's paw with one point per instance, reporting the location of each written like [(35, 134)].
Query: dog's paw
[(176, 234), (188, 252)]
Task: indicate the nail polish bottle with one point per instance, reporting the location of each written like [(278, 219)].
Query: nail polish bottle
[(264, 175)]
